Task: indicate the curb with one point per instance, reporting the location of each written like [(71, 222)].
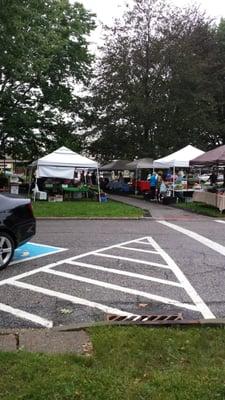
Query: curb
[(218, 322), (214, 323)]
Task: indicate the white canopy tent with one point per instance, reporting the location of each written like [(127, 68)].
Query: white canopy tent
[(61, 163), (179, 159)]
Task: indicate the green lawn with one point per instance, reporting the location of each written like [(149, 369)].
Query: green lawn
[(133, 363), (201, 208), (85, 208)]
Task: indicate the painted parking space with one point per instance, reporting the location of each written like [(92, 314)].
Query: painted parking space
[(83, 271), (30, 251)]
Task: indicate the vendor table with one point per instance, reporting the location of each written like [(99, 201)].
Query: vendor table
[(213, 199), (206, 197), (221, 202), (184, 194), (72, 191)]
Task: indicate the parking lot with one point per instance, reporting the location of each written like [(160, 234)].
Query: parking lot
[(117, 267)]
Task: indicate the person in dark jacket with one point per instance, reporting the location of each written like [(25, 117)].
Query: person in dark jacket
[(213, 178)]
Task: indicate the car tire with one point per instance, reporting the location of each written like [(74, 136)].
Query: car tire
[(7, 248)]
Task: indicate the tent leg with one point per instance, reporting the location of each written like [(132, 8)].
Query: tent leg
[(30, 181), (173, 179), (35, 187), (98, 181), (136, 177)]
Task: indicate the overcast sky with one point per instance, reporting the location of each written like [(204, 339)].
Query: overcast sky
[(106, 10)]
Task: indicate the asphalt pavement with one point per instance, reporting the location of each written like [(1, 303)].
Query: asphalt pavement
[(171, 263)]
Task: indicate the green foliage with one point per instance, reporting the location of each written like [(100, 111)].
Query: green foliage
[(156, 83), (44, 56)]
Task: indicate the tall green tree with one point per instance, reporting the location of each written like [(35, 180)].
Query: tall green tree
[(153, 92), (44, 57), (218, 82)]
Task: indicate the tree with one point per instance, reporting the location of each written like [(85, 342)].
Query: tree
[(152, 92), (218, 82), (44, 56)]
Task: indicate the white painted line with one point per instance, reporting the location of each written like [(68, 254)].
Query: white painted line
[(201, 306), (140, 250), (140, 241), (135, 260), (198, 306), (220, 221), (33, 258), (124, 273), (108, 248), (199, 238), (71, 299), (122, 289), (64, 261), (25, 315)]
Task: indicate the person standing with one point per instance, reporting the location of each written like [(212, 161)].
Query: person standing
[(213, 178), (153, 185)]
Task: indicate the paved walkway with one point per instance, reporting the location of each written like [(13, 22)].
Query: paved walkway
[(46, 341), (157, 211)]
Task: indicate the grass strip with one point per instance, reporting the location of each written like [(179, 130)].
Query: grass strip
[(201, 208), (85, 208), (129, 363)]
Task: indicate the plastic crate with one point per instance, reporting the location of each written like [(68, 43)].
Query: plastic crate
[(103, 199)]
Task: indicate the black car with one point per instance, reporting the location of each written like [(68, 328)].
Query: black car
[(17, 225)]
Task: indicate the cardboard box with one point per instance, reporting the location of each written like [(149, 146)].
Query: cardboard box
[(41, 196), (58, 197)]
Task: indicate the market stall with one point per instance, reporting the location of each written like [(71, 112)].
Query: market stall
[(115, 182), (215, 194), (62, 164), (138, 165), (178, 159)]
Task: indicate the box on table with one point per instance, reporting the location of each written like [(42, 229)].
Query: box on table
[(77, 195), (41, 196), (58, 197)]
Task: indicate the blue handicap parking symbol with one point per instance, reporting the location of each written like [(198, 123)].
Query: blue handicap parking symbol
[(30, 251)]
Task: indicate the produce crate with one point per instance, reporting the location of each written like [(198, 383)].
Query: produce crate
[(51, 199), (58, 198)]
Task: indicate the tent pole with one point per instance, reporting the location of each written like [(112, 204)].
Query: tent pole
[(173, 178), (30, 180), (98, 181), (35, 187), (136, 182)]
